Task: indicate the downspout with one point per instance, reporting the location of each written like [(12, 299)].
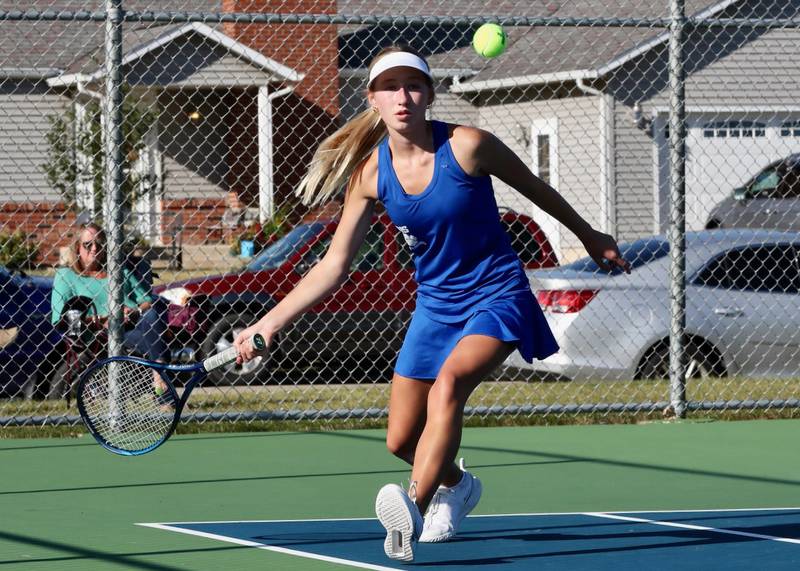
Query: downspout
[(80, 82)]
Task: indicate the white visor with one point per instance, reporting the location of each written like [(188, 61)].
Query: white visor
[(398, 59)]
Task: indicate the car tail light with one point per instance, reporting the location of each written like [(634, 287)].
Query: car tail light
[(565, 301)]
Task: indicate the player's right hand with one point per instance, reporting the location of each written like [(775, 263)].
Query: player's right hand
[(244, 344)]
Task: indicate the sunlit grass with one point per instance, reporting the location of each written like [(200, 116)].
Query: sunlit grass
[(319, 399)]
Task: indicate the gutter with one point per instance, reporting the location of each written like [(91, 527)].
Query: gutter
[(456, 73), (524, 81), (29, 72)]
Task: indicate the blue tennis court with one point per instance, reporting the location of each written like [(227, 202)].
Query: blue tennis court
[(730, 539)]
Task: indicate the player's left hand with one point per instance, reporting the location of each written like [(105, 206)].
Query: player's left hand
[(603, 249)]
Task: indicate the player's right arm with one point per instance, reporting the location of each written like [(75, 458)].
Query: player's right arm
[(330, 272)]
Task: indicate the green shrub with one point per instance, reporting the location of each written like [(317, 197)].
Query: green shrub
[(16, 250), (262, 235)]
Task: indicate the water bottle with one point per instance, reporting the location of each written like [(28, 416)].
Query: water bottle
[(74, 323)]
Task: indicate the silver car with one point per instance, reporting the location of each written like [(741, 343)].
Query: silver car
[(770, 200), (742, 317)]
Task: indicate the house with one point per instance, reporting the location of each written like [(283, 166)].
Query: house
[(586, 107), (226, 115)]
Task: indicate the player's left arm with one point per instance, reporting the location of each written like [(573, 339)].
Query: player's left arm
[(485, 154)]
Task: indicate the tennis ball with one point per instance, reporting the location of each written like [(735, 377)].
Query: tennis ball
[(489, 40), (159, 389)]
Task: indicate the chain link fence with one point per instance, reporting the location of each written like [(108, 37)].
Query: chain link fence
[(182, 129)]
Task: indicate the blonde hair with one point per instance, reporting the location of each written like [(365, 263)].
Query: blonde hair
[(340, 158)]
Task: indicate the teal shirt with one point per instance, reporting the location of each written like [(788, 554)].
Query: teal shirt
[(68, 284)]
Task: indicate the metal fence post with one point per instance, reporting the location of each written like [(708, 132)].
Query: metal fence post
[(677, 210), (112, 127)]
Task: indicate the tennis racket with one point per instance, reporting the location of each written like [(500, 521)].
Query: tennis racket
[(130, 405)]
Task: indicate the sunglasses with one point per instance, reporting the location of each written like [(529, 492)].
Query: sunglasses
[(96, 243)]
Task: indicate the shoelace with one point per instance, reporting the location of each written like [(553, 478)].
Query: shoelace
[(437, 497)]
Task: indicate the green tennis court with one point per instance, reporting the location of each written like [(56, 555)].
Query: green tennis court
[(68, 504)]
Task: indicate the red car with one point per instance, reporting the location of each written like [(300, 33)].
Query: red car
[(364, 319)]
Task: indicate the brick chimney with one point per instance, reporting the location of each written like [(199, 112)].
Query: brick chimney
[(307, 48)]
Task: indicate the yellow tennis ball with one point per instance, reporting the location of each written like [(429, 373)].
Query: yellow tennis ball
[(159, 389), (489, 40)]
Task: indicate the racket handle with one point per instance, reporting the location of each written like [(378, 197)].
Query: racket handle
[(229, 355)]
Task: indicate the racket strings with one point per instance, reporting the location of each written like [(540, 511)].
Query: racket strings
[(128, 405)]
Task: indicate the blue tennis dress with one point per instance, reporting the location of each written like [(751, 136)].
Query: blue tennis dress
[(470, 280)]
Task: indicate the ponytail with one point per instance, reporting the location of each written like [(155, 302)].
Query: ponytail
[(340, 156)]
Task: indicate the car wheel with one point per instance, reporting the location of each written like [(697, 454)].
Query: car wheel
[(219, 338), (704, 361)]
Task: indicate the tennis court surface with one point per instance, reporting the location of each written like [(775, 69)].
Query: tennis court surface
[(699, 495)]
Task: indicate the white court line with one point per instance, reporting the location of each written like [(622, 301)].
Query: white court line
[(717, 510), (693, 527), (283, 550), (173, 527)]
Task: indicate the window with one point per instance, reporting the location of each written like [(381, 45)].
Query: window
[(768, 269), (543, 155), (789, 185), (638, 253), (315, 254), (734, 129), (790, 129), (523, 242), (404, 256), (765, 183), (285, 247), (370, 255)]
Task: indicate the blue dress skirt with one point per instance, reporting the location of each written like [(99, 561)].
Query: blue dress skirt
[(516, 319)]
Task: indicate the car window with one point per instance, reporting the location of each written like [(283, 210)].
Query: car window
[(282, 249), (765, 183), (523, 242), (638, 254), (315, 253), (768, 269), (789, 185), (370, 255), (404, 258)]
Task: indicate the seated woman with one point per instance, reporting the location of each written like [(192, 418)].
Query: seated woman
[(87, 276)]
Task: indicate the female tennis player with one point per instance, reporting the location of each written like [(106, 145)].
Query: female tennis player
[(474, 305)]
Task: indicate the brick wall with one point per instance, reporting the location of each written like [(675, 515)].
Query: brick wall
[(53, 226), (50, 225), (201, 220)]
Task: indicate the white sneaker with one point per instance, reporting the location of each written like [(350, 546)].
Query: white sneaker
[(449, 507), (402, 520)]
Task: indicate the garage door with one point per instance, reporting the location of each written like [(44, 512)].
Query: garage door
[(723, 152)]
